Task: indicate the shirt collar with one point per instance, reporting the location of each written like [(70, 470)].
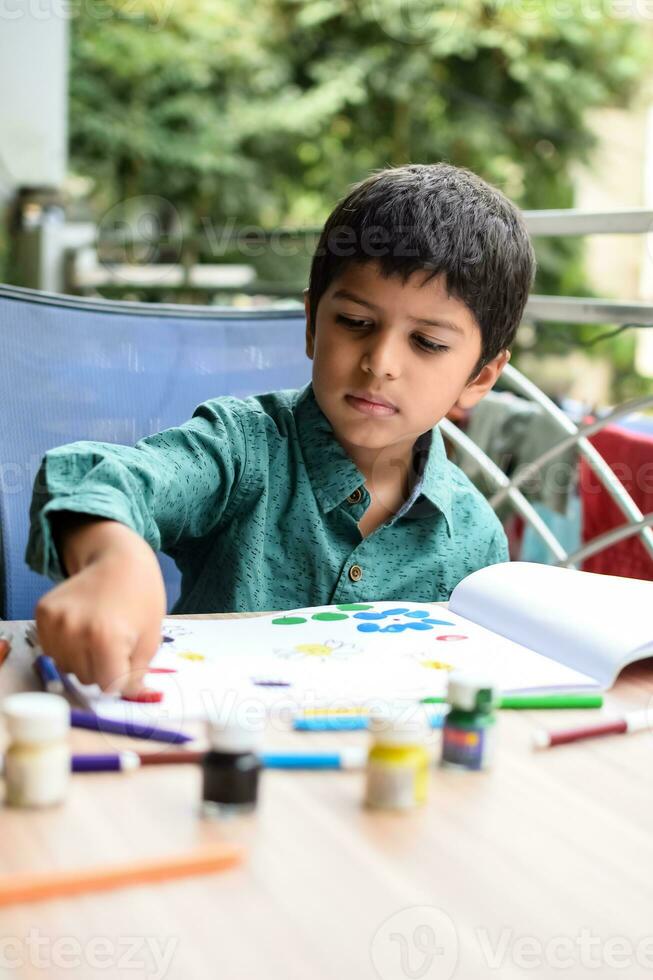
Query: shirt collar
[(334, 476), (432, 487)]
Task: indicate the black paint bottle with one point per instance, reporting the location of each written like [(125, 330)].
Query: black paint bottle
[(230, 770)]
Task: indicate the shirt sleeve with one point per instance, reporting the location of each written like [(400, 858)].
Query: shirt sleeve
[(498, 548), (177, 484)]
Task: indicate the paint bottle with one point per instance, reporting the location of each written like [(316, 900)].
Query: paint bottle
[(398, 761), (469, 730), (230, 770), (37, 761)]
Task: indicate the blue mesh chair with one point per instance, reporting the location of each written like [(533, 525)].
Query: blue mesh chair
[(92, 369)]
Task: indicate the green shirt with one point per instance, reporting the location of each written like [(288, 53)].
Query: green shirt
[(259, 506)]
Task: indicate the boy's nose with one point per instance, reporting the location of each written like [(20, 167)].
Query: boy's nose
[(381, 358)]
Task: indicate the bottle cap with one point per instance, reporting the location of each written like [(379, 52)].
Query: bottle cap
[(35, 717), (231, 736), (471, 692), (399, 725)]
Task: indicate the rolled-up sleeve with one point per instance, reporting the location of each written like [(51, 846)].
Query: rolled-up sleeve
[(177, 484)]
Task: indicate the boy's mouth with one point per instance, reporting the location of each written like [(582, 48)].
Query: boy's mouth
[(369, 404)]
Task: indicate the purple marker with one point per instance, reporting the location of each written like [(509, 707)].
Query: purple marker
[(111, 762), (87, 719)]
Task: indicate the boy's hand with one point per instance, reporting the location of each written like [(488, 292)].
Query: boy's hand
[(104, 622)]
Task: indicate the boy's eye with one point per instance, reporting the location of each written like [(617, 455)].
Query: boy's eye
[(430, 346), (350, 321), (353, 323)]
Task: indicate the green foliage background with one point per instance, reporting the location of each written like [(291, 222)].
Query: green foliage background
[(262, 114), (266, 112)]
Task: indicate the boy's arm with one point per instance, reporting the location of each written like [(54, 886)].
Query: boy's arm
[(98, 511), (174, 485), (104, 622)]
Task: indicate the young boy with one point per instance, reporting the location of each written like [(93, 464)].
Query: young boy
[(339, 492)]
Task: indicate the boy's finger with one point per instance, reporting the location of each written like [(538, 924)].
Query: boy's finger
[(81, 666), (140, 658), (110, 667)]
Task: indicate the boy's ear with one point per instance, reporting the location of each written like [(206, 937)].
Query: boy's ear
[(486, 378), (310, 339)]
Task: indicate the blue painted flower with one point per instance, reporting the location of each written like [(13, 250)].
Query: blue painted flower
[(414, 619)]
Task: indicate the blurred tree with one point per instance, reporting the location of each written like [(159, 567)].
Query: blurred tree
[(263, 114)]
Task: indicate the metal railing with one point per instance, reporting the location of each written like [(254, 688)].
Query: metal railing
[(574, 310)]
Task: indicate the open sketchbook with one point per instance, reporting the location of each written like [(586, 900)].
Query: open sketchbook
[(528, 627)]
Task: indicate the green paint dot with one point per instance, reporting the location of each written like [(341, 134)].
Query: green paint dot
[(354, 606), (329, 617), (288, 621)]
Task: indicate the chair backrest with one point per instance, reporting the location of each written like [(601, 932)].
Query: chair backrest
[(86, 369)]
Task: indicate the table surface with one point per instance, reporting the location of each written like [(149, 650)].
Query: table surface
[(537, 868)]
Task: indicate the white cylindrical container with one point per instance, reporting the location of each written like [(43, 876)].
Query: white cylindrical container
[(37, 761)]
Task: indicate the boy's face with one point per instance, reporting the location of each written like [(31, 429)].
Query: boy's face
[(410, 345)]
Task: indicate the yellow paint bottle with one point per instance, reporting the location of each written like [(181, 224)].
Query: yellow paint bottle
[(398, 761)]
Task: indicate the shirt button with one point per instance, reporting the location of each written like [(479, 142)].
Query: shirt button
[(355, 497), (355, 573)]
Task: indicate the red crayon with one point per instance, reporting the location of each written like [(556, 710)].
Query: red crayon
[(5, 647), (146, 696)]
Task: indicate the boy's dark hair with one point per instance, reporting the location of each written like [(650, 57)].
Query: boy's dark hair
[(439, 218)]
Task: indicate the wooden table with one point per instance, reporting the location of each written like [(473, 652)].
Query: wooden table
[(539, 868)]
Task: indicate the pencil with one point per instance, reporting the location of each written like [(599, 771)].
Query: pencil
[(632, 721), (34, 887), (178, 757)]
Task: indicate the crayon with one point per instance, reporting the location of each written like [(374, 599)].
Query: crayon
[(5, 647), (37, 887)]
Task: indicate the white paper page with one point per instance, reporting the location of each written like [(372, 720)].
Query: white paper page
[(329, 656), (594, 623)]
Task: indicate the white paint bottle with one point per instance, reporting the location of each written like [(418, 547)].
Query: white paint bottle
[(37, 761)]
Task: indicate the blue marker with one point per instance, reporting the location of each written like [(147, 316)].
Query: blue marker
[(353, 757), (44, 665), (346, 723)]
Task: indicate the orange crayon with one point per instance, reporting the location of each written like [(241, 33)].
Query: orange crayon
[(34, 887)]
